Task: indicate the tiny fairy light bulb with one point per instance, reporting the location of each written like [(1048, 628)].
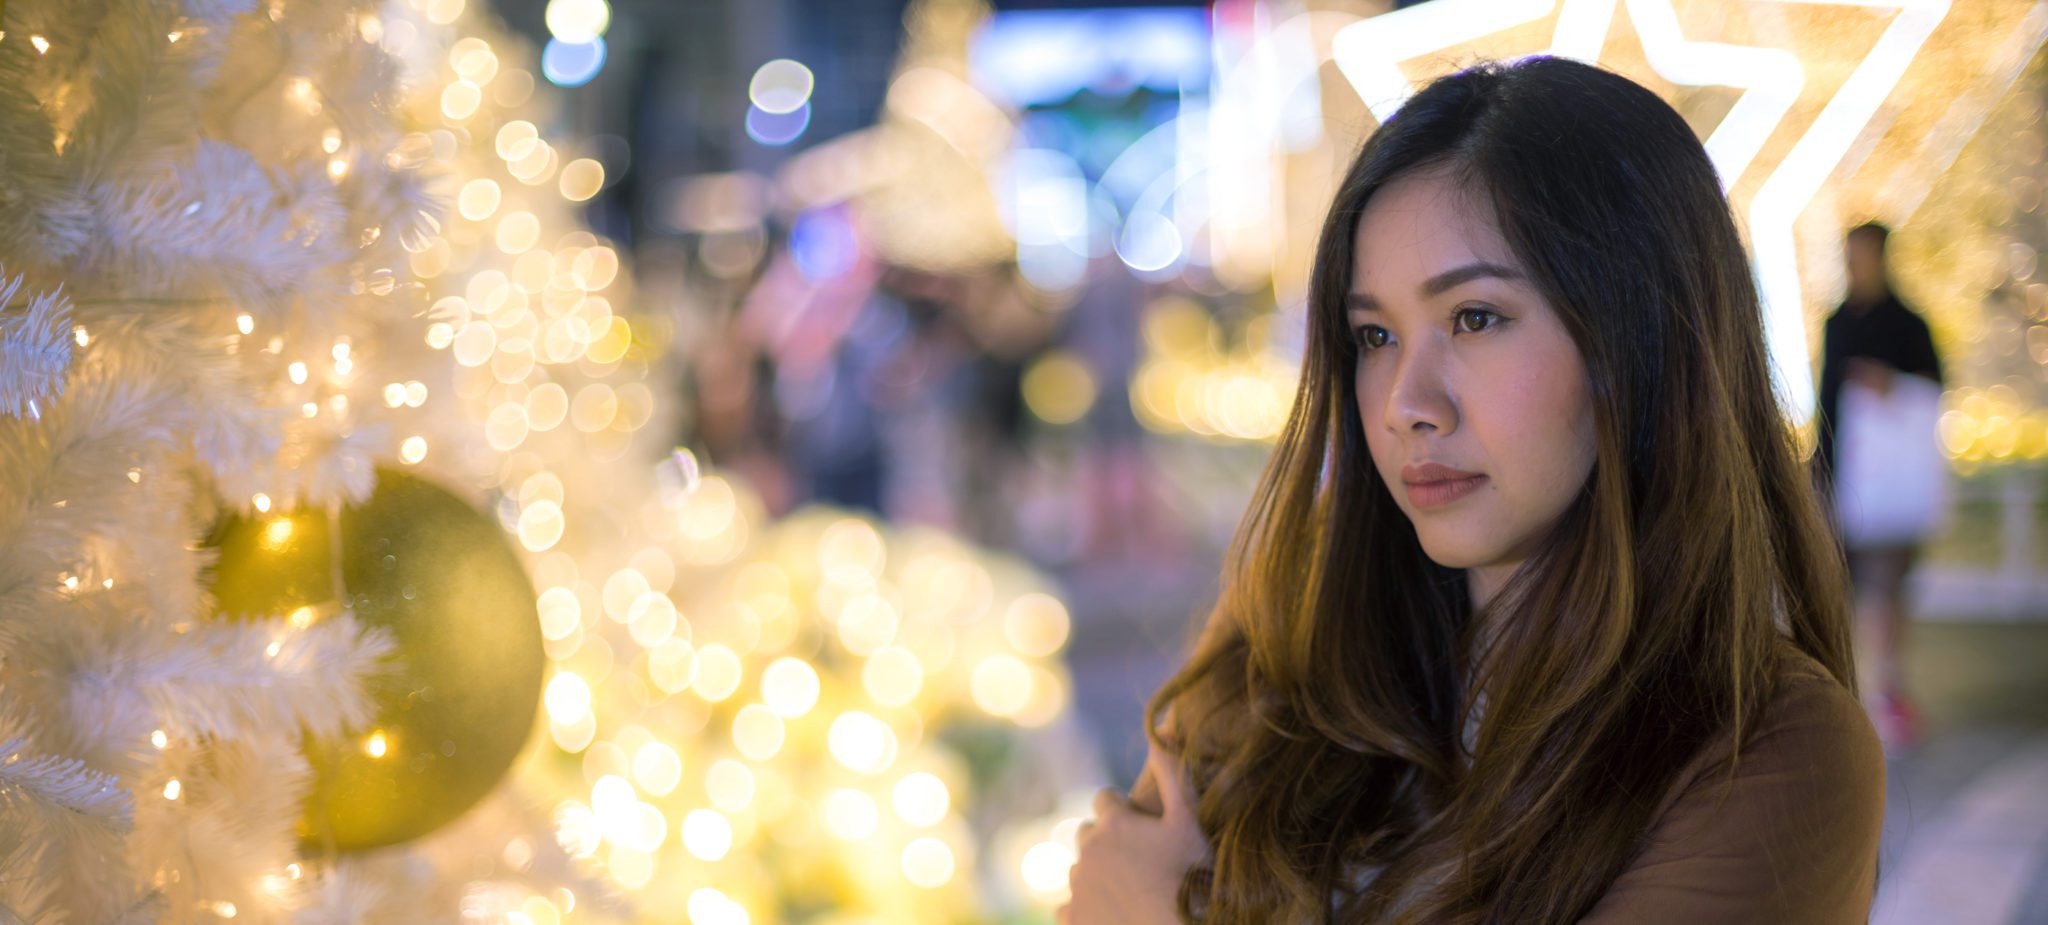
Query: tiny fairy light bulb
[(376, 746), (173, 789), (159, 740), (244, 323), (261, 501), (42, 44)]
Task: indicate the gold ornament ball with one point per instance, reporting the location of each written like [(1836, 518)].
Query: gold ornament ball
[(460, 698)]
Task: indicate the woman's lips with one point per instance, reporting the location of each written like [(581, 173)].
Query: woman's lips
[(1434, 484)]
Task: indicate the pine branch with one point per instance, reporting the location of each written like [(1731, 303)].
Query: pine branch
[(142, 92), (232, 827), (219, 220), (61, 795), (35, 347), (236, 681), (24, 894), (55, 476), (67, 29), (225, 420), (42, 219)]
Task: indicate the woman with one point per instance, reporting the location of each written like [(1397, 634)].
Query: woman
[(1534, 617)]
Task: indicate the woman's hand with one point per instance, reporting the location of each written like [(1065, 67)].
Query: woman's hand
[(1131, 862)]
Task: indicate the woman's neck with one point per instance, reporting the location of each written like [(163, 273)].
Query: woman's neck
[(1483, 582)]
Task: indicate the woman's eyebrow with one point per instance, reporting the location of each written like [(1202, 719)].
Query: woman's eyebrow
[(1442, 282)]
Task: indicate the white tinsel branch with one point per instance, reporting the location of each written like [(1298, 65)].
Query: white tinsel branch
[(61, 795), (233, 681), (24, 893), (35, 346), (231, 830), (55, 475), (42, 218), (219, 219), (143, 91), (60, 821)]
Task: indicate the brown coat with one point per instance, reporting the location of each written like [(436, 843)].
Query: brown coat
[(1793, 839)]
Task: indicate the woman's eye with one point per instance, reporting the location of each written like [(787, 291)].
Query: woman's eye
[(1371, 337), (1474, 320)]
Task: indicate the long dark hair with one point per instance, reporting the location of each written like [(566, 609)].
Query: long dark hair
[(1322, 713)]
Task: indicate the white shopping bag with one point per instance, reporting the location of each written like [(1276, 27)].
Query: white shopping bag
[(1890, 475)]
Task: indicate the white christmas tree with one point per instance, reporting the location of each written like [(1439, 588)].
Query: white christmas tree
[(252, 251), (176, 245)]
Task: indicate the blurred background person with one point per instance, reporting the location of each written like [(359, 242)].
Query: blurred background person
[(1880, 397)]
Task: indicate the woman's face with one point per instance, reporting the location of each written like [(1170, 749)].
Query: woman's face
[(1474, 398)]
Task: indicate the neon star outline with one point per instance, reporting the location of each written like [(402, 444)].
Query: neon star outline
[(1368, 53)]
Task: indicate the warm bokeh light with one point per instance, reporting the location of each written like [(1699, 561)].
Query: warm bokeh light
[(921, 799)]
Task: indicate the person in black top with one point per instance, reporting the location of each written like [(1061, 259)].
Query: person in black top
[(1870, 339)]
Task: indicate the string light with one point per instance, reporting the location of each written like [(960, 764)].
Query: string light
[(545, 342)]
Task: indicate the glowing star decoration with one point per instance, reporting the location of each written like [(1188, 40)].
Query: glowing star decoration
[(1369, 52), (1773, 79), (1798, 178)]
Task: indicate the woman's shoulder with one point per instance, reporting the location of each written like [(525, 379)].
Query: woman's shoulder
[(1786, 829), (1813, 721), (1811, 740)]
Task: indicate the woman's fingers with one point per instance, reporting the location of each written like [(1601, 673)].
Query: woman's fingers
[(1145, 794), (1108, 801), (1170, 777)]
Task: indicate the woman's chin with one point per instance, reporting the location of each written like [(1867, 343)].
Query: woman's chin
[(1459, 551)]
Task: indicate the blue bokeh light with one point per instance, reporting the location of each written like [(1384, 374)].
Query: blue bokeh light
[(777, 129), (572, 64)]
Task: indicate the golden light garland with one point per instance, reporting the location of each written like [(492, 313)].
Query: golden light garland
[(745, 720)]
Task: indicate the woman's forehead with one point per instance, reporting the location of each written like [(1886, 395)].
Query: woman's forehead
[(1419, 226)]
